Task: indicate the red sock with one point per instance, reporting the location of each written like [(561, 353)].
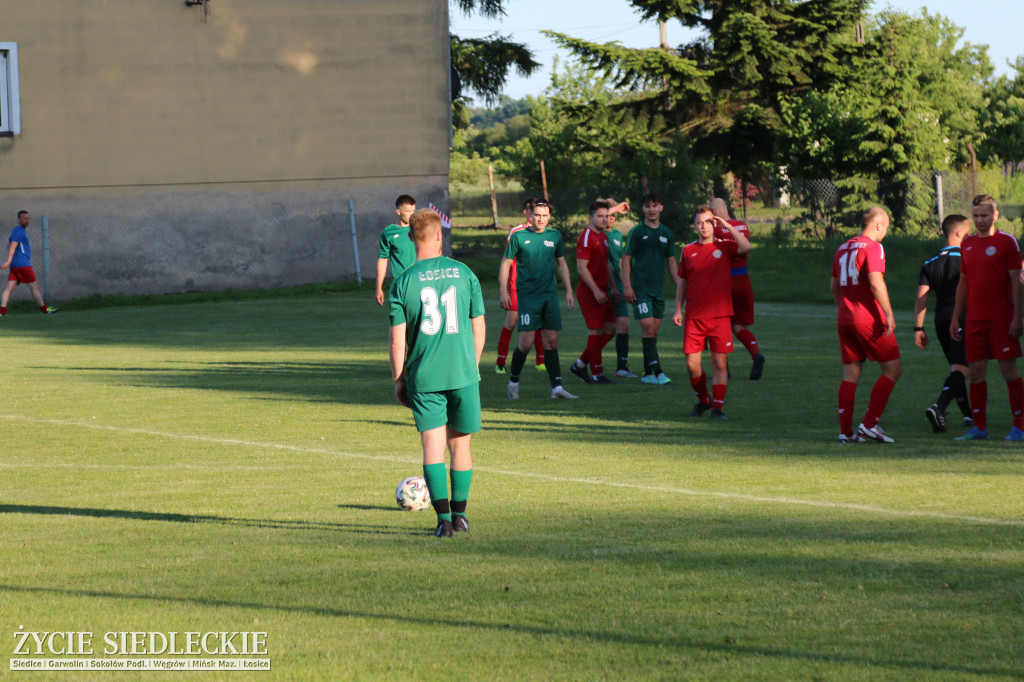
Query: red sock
[(717, 395), (503, 340), (847, 396), (3, 310), (539, 346), (593, 352), (1016, 389), (43, 308), (700, 388), (979, 405), (749, 341), (879, 399)]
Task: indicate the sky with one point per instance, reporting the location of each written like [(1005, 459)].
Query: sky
[(996, 23)]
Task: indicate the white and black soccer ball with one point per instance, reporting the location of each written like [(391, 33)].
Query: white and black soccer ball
[(412, 494)]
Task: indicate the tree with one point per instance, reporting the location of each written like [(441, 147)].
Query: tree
[(725, 89), (1003, 118), (484, 64), (909, 104)]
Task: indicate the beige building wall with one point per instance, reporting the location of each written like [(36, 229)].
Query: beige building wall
[(174, 150)]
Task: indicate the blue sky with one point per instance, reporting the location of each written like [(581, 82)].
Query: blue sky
[(996, 23)]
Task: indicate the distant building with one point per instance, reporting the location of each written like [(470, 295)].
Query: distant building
[(211, 146)]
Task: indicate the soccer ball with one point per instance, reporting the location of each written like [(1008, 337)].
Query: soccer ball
[(412, 495)]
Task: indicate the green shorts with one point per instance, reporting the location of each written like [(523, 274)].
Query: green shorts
[(458, 408), (648, 306), (540, 313)]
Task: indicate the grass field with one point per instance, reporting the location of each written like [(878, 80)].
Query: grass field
[(230, 467)]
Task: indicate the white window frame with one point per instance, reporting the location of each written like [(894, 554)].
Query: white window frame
[(10, 100)]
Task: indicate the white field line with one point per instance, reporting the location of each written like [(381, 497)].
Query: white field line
[(670, 490)]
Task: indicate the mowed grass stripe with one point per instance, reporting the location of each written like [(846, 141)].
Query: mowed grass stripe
[(568, 480)]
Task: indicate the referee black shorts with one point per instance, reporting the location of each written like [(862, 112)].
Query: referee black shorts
[(954, 350)]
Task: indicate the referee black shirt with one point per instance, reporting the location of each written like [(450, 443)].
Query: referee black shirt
[(941, 273)]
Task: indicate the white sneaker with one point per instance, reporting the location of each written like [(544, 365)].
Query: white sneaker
[(875, 433), (513, 390), (624, 374), (559, 392), (855, 438)]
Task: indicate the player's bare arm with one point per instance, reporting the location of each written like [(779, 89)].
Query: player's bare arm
[(479, 336), (382, 268), (396, 351), (12, 247), (588, 281), (563, 272), (742, 243), (958, 310), (677, 318), (503, 275), (920, 308), (673, 269), (834, 288), (1015, 321), (881, 293), (627, 289)]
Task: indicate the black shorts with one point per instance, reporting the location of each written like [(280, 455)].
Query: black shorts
[(954, 350)]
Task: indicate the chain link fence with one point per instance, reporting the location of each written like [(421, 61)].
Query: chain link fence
[(811, 207)]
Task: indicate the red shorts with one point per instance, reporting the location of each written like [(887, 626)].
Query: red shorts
[(716, 332), (595, 314), (742, 300), (24, 275), (858, 342), (985, 339)]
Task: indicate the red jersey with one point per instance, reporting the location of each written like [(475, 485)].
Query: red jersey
[(985, 262), (851, 265), (706, 269), (592, 246), (740, 259), (512, 271)]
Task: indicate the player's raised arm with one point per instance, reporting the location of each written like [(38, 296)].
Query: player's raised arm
[(742, 243)]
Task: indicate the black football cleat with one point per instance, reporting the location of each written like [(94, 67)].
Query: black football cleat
[(757, 369), (459, 523), (699, 409), (937, 419), (602, 380), (718, 414), (581, 372), (443, 530)]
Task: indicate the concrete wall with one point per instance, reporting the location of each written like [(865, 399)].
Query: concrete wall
[(172, 154)]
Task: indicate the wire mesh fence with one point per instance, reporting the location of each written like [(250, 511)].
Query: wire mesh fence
[(813, 207)]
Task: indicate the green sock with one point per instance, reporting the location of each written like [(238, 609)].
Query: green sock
[(460, 490), (436, 476)]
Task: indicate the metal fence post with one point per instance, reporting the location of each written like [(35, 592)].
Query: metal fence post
[(46, 258), (355, 242), (938, 197)]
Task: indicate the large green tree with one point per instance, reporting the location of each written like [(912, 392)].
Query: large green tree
[(725, 89), (484, 64), (1003, 118)]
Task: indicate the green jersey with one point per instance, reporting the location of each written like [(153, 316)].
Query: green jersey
[(397, 246), (436, 298), (535, 254), (650, 247), (616, 244)]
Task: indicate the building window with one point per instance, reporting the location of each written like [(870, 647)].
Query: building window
[(10, 109)]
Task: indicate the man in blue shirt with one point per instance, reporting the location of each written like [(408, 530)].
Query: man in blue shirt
[(18, 254)]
